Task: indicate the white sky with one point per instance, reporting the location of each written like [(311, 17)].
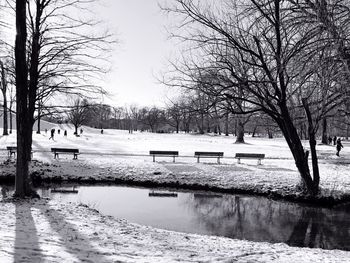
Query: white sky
[(142, 53)]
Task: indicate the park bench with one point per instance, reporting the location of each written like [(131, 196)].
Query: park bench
[(12, 150), (164, 153), (217, 155), (258, 156), (57, 151)]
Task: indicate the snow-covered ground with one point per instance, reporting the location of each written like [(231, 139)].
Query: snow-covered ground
[(47, 231), (118, 155)]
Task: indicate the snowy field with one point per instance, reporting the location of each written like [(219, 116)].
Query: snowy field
[(118, 155), (47, 231)]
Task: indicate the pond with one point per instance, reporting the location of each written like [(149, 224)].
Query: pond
[(233, 216)]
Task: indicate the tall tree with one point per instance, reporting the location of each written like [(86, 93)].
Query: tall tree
[(22, 184), (3, 88), (256, 57)]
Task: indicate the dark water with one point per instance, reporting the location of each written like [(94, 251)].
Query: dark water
[(234, 216)]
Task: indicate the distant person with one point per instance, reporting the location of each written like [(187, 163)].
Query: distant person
[(329, 140), (334, 140), (101, 131), (52, 134), (58, 131), (339, 146), (81, 131), (45, 131), (65, 133)]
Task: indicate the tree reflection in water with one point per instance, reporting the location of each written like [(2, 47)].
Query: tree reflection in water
[(262, 219)]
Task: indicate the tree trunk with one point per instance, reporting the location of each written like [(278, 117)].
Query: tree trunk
[(5, 117), (269, 133), (4, 89), (240, 131), (226, 125), (22, 182), (324, 131), (39, 118), (312, 143), (38, 127), (201, 125), (300, 156), (10, 117)]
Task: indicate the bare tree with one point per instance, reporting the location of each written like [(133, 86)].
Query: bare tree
[(257, 59), (174, 116), (151, 117), (78, 114), (64, 51), (23, 182)]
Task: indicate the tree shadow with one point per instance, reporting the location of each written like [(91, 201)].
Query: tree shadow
[(27, 247), (27, 244), (75, 242)]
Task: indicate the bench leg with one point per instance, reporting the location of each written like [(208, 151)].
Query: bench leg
[(239, 160), (197, 159), (154, 158), (75, 157), (259, 161), (218, 160), (173, 159), (55, 155)]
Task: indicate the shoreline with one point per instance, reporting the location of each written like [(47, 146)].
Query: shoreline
[(40, 176)]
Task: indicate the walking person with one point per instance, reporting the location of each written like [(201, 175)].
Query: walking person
[(339, 146), (334, 140), (52, 134)]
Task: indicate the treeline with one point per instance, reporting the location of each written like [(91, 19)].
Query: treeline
[(195, 114)]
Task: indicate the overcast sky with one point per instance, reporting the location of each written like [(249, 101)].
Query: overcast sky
[(142, 53)]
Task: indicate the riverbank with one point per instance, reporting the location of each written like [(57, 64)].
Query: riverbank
[(271, 179), (120, 157), (48, 231)]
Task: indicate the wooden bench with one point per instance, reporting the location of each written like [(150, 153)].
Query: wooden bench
[(57, 151), (164, 153), (258, 156), (12, 150), (217, 155)]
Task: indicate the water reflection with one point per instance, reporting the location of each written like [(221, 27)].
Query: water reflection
[(241, 217), (261, 219)]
